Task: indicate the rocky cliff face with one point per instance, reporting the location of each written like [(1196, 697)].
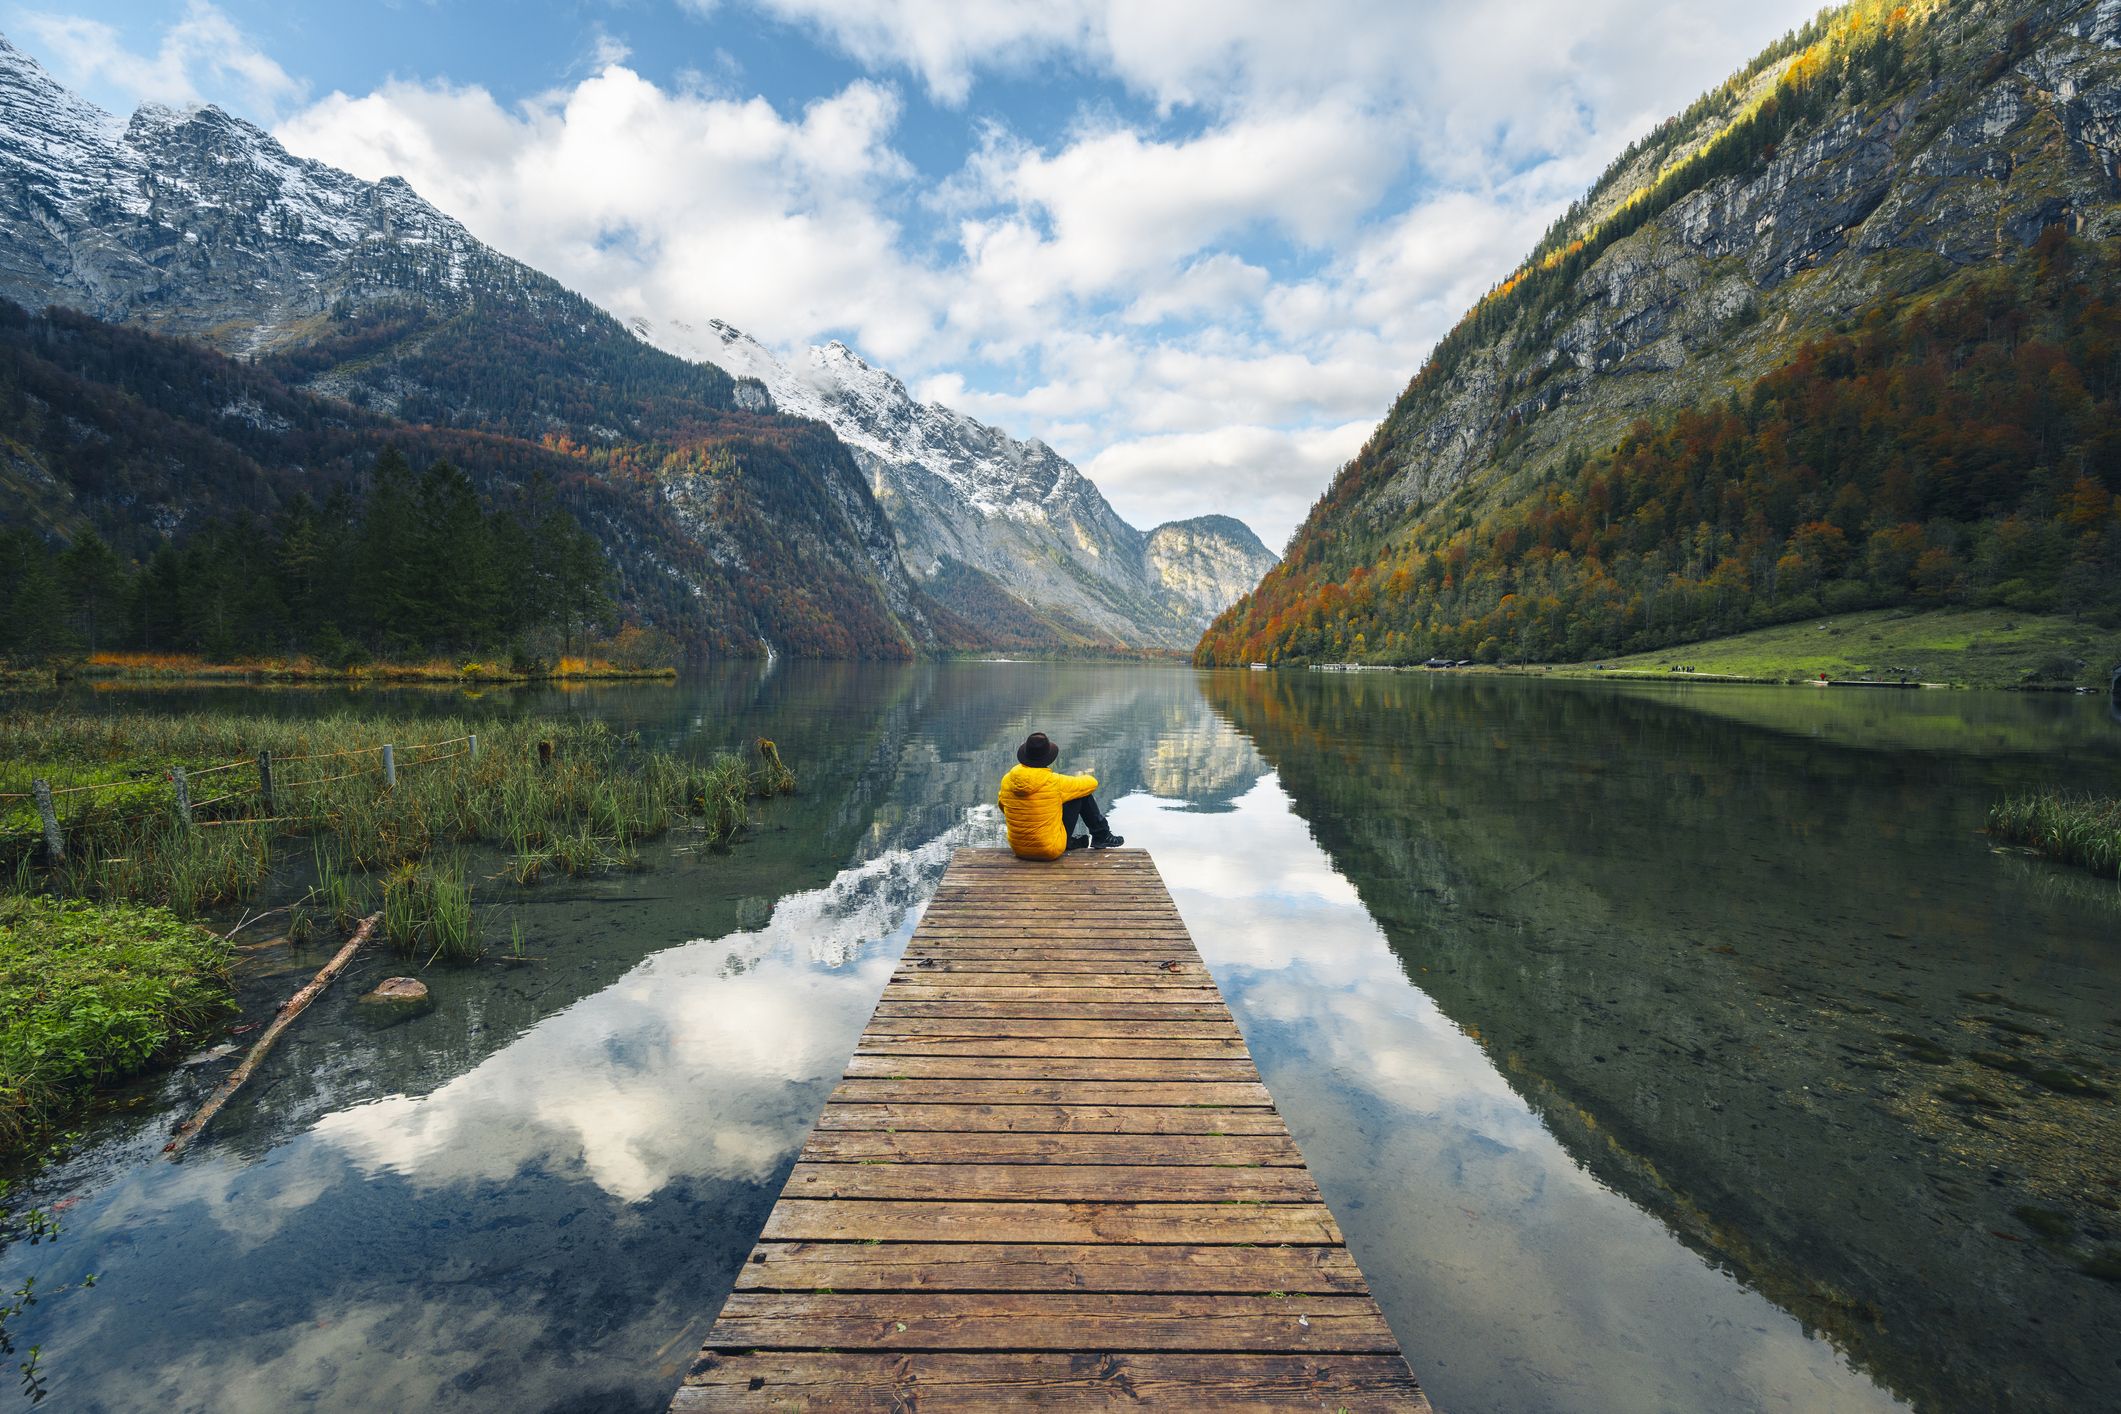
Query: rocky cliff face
[(196, 224), (1881, 154), (976, 511), (2018, 128), (1208, 561)]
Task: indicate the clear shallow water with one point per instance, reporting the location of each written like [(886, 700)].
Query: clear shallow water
[(1595, 1012)]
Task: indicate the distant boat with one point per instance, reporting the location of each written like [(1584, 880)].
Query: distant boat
[(1257, 667)]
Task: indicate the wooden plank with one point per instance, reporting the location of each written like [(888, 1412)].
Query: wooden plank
[(1041, 952), (1021, 1266), (1053, 1183), (957, 982), (859, 1220), (1156, 1069), (958, 1383), (1119, 1047), (1150, 965), (1106, 995), (1040, 1320), (932, 1147), (1050, 1176), (859, 1091), (1077, 1011), (1049, 1119), (970, 1028)]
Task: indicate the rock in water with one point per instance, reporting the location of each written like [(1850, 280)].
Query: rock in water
[(396, 998)]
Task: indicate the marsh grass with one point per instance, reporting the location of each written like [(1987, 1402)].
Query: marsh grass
[(561, 796), (427, 913), (91, 994), (2075, 828)]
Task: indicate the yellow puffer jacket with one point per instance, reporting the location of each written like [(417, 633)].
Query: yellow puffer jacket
[(1031, 798)]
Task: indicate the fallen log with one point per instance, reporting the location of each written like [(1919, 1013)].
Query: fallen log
[(289, 1010)]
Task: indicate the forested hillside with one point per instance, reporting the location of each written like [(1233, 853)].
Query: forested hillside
[(153, 442), (354, 315), (1841, 335)]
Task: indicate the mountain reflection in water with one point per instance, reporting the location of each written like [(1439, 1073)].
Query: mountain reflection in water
[(1539, 976), (1759, 976)]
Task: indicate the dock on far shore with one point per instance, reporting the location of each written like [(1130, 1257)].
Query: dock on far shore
[(1051, 1176)]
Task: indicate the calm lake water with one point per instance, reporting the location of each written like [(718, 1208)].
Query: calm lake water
[(1658, 1048)]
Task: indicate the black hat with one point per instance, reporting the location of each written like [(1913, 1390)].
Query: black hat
[(1037, 751)]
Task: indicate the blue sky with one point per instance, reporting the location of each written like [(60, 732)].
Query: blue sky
[(1197, 245)]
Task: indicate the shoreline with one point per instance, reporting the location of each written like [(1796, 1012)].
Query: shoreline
[(160, 670)]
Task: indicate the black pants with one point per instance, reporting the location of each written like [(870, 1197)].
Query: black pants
[(1084, 808)]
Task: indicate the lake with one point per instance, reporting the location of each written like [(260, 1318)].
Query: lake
[(1658, 1048)]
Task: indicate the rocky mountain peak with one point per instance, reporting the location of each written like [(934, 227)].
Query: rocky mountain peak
[(978, 512)]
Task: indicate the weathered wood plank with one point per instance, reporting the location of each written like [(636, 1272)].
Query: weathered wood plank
[(1049, 1119), (1048, 952), (1020, 1266), (1126, 1047), (968, 981), (977, 1383), (932, 1147), (1166, 1069), (1075, 1011), (1150, 965), (881, 1091), (1105, 995), (863, 1220), (973, 1028), (1051, 1183), (1038, 1320)]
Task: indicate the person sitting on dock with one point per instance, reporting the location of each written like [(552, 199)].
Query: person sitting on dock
[(1042, 806)]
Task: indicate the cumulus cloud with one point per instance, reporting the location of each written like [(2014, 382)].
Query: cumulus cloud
[(668, 204), (1267, 476), (203, 57), (1204, 280)]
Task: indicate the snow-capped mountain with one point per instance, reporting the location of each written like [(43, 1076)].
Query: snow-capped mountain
[(197, 224), (975, 509)]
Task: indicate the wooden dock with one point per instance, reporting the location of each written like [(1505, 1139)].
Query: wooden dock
[(1052, 1177)]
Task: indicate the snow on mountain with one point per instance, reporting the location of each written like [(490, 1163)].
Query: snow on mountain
[(964, 496)]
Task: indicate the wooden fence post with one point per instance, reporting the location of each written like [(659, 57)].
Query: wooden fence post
[(176, 774), (265, 793), (390, 767), (474, 740), (54, 839)]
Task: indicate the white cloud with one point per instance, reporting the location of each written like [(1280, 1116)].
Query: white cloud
[(668, 204), (203, 57), (1207, 302), (1266, 476)]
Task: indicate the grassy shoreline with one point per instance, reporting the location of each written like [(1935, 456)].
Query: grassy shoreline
[(1958, 648), (104, 970), (91, 994), (166, 667), (2084, 830), (558, 794)]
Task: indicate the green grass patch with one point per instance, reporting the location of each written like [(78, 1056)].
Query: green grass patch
[(566, 796), (1965, 647), (90, 994), (2084, 830)]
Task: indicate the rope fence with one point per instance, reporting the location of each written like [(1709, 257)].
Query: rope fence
[(268, 788)]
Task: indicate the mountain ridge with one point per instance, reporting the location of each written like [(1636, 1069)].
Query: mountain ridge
[(195, 224), (1881, 158), (977, 511)]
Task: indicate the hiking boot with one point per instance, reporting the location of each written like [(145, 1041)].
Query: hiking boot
[(1078, 841), (1107, 840)]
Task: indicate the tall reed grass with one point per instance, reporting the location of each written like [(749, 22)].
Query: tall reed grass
[(565, 796), (2075, 828)]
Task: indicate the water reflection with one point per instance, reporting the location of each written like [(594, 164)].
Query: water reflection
[(1518, 962), (1761, 982)]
